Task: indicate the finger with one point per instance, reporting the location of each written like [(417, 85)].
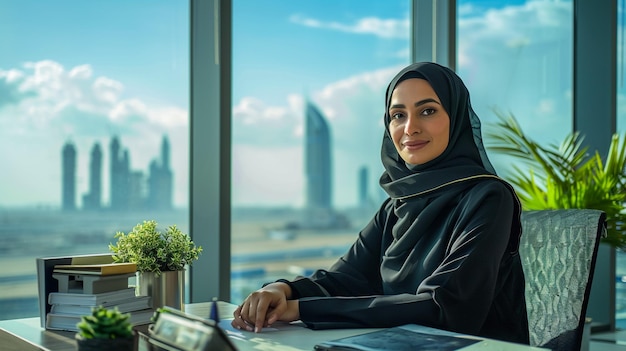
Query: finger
[(237, 312), (245, 310), (261, 311), (240, 320), (236, 323), (242, 324), (272, 317), (275, 313)]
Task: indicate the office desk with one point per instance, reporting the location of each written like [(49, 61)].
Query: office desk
[(282, 338)]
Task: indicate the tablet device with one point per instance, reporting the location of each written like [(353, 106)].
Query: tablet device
[(402, 338)]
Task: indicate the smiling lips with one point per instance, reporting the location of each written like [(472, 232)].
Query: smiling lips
[(414, 144)]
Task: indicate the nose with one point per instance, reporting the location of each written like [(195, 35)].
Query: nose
[(412, 125)]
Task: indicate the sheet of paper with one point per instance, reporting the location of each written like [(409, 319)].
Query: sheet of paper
[(225, 325)]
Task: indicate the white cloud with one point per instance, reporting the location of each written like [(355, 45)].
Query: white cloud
[(169, 116), (357, 103), (11, 76), (81, 72), (529, 23), (384, 28), (44, 72), (45, 90), (255, 123), (127, 108), (107, 90), (253, 111)]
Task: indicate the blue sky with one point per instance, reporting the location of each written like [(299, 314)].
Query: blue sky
[(84, 70), (138, 42)]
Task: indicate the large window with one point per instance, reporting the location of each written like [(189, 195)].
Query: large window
[(516, 59), (308, 98), (93, 130)]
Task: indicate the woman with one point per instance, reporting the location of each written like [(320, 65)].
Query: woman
[(442, 251)]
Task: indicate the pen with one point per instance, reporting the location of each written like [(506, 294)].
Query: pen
[(215, 315)]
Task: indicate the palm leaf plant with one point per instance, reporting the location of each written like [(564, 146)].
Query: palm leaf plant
[(566, 175)]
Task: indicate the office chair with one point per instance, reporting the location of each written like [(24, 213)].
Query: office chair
[(558, 249)]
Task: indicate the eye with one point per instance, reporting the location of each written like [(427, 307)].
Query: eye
[(396, 115), (428, 111)]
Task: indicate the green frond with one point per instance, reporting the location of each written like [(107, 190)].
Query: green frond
[(565, 175)]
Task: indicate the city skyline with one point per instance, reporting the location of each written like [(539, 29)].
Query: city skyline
[(129, 188)]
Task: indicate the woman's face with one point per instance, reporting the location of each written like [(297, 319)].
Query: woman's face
[(419, 126)]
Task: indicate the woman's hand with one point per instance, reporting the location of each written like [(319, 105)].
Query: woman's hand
[(266, 306)]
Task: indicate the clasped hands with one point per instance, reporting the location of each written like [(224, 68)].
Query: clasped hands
[(264, 307)]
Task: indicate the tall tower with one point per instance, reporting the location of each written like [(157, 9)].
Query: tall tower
[(114, 175), (160, 184), (167, 183), (120, 176), (68, 195), (317, 160), (93, 199), (362, 190), (165, 153)]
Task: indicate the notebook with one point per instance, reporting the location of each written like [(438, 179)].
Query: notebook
[(403, 338)]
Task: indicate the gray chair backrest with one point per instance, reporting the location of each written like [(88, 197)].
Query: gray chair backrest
[(558, 249)]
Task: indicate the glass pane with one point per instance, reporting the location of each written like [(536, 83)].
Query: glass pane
[(308, 94), (93, 130), (516, 58)]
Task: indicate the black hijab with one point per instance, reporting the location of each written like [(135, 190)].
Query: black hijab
[(421, 193), (463, 157)]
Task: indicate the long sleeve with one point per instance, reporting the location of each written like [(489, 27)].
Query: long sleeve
[(357, 273), (455, 276)]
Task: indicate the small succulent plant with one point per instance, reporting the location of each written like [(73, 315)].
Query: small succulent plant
[(105, 323)]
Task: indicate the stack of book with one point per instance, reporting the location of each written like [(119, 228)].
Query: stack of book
[(83, 286)]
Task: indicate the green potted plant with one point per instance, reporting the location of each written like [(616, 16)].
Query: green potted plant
[(161, 258), (566, 175), (105, 329)]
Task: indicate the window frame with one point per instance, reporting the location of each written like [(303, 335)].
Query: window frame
[(210, 147)]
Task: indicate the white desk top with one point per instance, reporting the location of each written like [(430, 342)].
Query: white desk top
[(295, 337), (282, 337)]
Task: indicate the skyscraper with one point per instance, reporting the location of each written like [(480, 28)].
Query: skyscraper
[(68, 186), (362, 190), (317, 160), (136, 196), (120, 176), (93, 199), (160, 182)]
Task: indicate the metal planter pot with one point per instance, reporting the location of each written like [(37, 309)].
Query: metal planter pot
[(165, 289)]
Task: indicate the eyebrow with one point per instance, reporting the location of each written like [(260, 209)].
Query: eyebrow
[(417, 104)]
